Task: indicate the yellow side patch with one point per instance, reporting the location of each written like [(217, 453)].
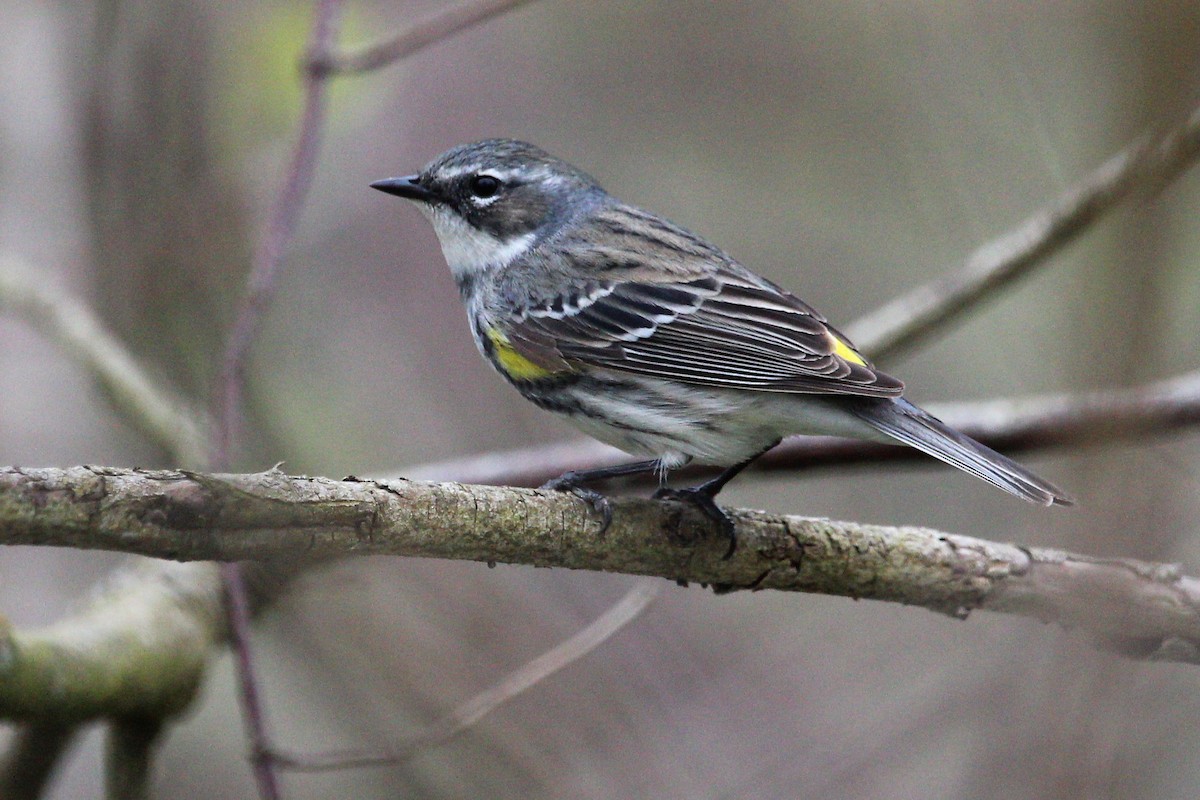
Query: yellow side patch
[(846, 352), (514, 365)]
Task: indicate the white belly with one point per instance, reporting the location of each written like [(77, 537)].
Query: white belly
[(677, 423)]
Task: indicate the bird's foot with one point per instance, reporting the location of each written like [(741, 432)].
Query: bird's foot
[(702, 498), (598, 503)]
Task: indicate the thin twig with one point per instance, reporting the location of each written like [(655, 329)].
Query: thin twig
[(261, 283), (164, 417), (1035, 424), (260, 289), (424, 33), (254, 716), (1031, 424), (471, 712), (1146, 164)]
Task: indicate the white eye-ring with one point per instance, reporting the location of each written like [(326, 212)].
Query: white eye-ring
[(484, 188)]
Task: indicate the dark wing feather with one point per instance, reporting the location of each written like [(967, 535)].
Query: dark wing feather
[(717, 331)]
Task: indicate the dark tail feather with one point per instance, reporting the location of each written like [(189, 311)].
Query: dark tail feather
[(905, 422)]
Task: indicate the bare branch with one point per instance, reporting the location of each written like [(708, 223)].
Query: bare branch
[(1032, 424), (254, 715), (1017, 425), (260, 284), (461, 719), (91, 665), (1146, 164), (260, 290), (165, 418), (424, 33), (1148, 610)]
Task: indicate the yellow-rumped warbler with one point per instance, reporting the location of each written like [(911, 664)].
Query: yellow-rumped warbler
[(651, 339)]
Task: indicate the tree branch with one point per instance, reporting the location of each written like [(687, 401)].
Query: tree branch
[(138, 650), (1015, 425), (466, 715), (164, 418), (1139, 609), (1148, 163), (261, 282), (422, 34)]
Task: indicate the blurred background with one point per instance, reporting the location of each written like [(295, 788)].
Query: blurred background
[(847, 150)]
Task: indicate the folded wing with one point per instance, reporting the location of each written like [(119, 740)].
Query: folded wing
[(716, 331)]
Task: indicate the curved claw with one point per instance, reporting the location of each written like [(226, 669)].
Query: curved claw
[(569, 482), (702, 499)]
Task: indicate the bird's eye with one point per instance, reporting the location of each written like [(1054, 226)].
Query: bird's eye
[(485, 185)]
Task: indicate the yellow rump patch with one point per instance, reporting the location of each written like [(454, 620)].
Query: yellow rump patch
[(845, 351), (512, 363)]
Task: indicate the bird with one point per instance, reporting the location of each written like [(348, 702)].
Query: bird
[(651, 339)]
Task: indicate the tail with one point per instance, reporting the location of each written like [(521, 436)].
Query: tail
[(905, 422)]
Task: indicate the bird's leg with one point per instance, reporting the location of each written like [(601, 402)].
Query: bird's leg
[(573, 482), (702, 496)]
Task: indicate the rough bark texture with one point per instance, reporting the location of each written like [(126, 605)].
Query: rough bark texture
[(1141, 609)]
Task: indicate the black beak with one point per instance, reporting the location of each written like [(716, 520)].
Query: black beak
[(408, 187)]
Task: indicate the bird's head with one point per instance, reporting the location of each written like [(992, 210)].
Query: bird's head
[(490, 201)]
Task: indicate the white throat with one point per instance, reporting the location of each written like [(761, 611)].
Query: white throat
[(469, 250)]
